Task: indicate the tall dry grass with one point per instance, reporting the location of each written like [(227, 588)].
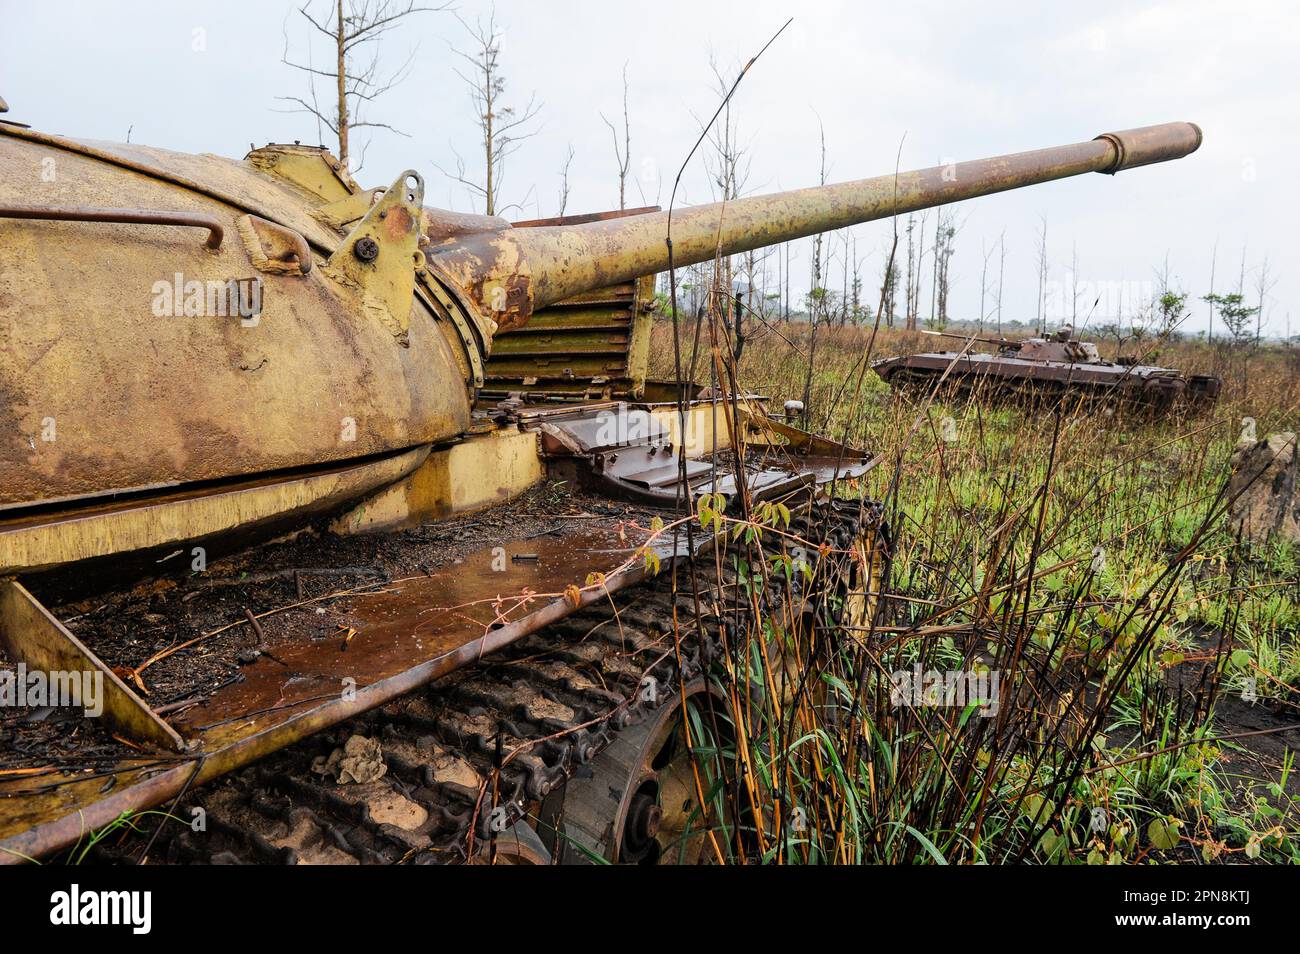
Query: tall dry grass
[(1083, 558)]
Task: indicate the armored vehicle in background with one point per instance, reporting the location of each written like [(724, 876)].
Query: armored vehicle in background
[(1057, 368)]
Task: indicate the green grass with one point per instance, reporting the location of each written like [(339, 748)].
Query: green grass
[(1086, 558)]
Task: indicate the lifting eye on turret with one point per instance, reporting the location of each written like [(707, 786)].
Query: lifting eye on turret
[(415, 185), (381, 254)]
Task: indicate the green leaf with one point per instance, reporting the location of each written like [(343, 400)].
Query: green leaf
[(1035, 807), (1163, 833)]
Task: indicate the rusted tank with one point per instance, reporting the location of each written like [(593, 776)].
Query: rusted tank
[(200, 355), (1043, 369)]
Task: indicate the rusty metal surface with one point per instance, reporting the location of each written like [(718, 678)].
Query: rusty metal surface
[(539, 266), (627, 453), (592, 346), (580, 347), (100, 394), (557, 698), (141, 401), (585, 217), (402, 635), (1150, 144), (34, 541), (273, 247), (407, 634), (244, 186), (376, 264), (356, 362)]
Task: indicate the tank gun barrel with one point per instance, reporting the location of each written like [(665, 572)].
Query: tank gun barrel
[(512, 271), (1000, 342)]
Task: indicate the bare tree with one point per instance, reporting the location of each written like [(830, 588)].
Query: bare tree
[(1214, 259), (889, 291), (1002, 269), (934, 269), (817, 295), (564, 180), (501, 127), (944, 248), (728, 170), (784, 279), (1074, 284), (910, 302), (353, 28), (915, 261), (623, 152), (1264, 283), (984, 282), (1042, 278)]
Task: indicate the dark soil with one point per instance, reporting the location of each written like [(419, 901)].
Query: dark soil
[(1258, 735), (314, 567)]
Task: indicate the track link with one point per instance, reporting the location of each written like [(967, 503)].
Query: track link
[(468, 757), (541, 708)]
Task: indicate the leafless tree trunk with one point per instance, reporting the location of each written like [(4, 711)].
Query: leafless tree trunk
[(785, 310), (816, 295), (353, 28), (910, 299), (889, 289), (1002, 269), (729, 171), (844, 280), (944, 248), (1074, 284), (1042, 278), (920, 262), (623, 153), (564, 179), (1263, 285), (501, 127), (934, 271), (984, 283), (1214, 258)]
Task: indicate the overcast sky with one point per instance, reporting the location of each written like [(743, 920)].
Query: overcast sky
[(948, 80)]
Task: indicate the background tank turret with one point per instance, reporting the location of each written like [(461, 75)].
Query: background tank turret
[(1041, 368)]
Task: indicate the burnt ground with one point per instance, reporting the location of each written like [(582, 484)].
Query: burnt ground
[(1257, 736), (1259, 756), (314, 567), (127, 627)]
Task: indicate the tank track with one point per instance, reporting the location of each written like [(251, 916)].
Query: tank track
[(541, 709), (556, 698)]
